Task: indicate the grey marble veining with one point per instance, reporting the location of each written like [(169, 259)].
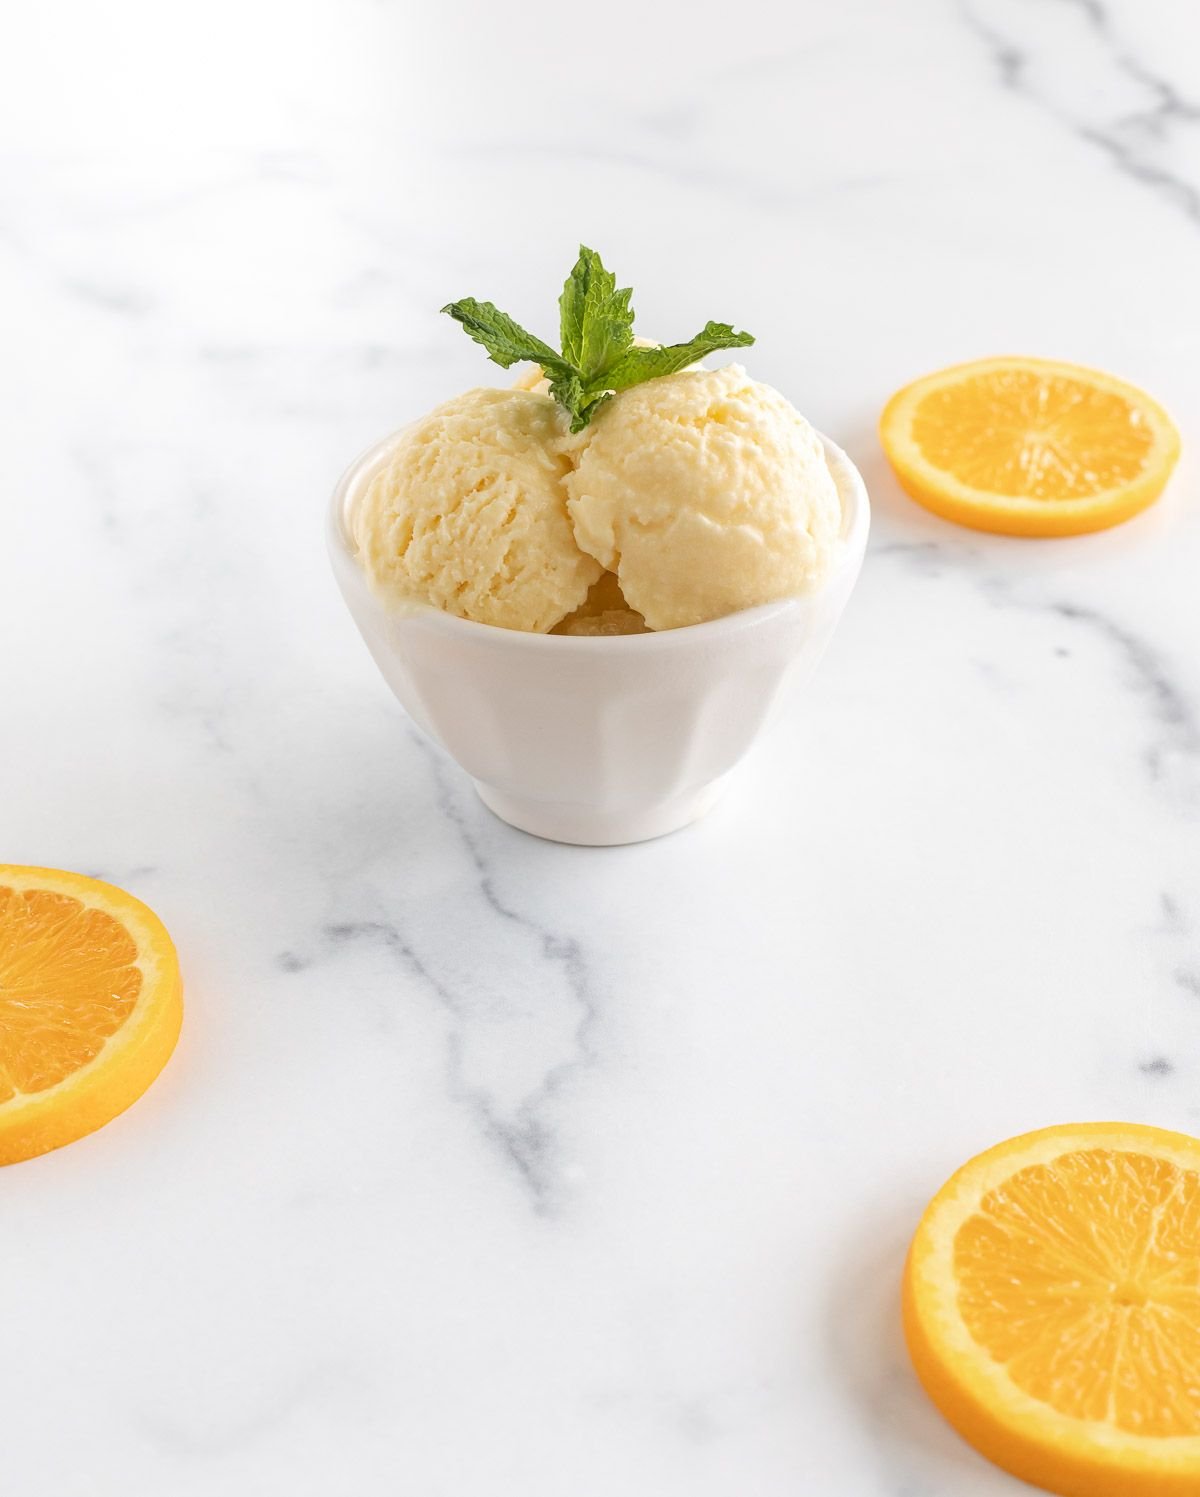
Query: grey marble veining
[(1142, 121), (521, 995)]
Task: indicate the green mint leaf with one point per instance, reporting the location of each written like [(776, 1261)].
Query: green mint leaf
[(579, 403), (595, 317), (567, 389), (581, 418), (571, 306), (506, 341), (639, 364)]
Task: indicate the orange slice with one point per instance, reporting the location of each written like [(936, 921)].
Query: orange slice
[(1052, 1308), (1029, 446), (90, 1006)]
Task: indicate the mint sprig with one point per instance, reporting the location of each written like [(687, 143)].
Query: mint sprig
[(596, 333)]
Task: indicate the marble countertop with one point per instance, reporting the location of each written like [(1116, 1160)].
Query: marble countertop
[(485, 1165)]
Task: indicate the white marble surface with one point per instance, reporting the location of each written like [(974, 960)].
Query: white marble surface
[(488, 1166)]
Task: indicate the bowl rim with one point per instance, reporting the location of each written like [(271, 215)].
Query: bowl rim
[(856, 513)]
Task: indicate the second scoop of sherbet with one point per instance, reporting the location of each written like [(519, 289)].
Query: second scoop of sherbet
[(706, 492), (469, 514)]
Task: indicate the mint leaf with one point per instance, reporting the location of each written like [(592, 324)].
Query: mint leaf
[(639, 364), (596, 328), (578, 422), (506, 341), (571, 306), (579, 403), (595, 318), (567, 389)]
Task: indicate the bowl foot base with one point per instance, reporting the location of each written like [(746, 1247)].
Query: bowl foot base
[(586, 827)]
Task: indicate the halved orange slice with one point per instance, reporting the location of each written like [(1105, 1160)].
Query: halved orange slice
[(91, 1002), (1052, 1308), (1029, 446)]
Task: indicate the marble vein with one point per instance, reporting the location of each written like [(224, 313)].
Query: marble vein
[(526, 1136), (1155, 115), (1174, 919), (1188, 978), (186, 1435), (1172, 758), (519, 1122)]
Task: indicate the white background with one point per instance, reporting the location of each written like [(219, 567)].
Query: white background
[(487, 1166)]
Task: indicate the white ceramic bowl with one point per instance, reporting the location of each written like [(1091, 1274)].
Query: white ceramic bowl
[(597, 740)]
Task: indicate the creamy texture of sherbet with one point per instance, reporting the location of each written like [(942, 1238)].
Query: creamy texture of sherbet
[(705, 492), (470, 514)]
